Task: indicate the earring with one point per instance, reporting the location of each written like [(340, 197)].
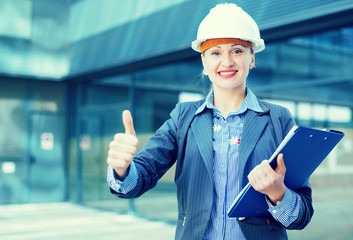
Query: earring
[(204, 72)]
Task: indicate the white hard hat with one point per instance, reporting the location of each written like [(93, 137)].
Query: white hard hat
[(229, 21)]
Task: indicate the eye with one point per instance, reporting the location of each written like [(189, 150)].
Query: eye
[(216, 53), (238, 51)]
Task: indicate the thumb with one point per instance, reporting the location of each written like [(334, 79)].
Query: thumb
[(281, 168), (128, 123)]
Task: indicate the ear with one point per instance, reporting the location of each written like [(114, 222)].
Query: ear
[(252, 61), (203, 64), (203, 60)]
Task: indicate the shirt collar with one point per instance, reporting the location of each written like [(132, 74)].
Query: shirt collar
[(250, 102)]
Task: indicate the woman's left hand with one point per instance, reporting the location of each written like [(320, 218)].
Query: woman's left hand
[(268, 181)]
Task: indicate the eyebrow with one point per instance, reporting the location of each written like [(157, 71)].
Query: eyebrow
[(237, 44), (234, 45)]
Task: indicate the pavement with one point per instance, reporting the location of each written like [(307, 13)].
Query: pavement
[(58, 221), (154, 216)]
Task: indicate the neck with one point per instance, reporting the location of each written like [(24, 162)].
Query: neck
[(227, 101)]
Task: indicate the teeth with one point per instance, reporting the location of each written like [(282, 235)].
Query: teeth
[(227, 73)]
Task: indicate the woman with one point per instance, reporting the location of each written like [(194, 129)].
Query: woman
[(220, 143)]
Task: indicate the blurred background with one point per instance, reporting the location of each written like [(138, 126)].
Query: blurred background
[(69, 67)]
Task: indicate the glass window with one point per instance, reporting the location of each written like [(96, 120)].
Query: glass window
[(15, 18)]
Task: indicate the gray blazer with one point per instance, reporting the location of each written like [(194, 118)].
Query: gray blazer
[(187, 139)]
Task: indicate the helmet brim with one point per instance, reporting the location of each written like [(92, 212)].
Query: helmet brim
[(258, 45)]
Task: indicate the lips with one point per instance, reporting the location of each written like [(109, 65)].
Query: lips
[(227, 74)]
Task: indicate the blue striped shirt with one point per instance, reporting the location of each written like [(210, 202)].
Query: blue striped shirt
[(226, 139), (125, 186)]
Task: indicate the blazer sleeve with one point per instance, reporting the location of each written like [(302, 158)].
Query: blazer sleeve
[(156, 157)]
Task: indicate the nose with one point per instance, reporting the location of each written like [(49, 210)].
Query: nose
[(227, 61)]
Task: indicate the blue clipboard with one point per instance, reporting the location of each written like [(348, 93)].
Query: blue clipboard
[(303, 151)]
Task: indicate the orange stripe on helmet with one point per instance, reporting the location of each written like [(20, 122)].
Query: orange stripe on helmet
[(216, 41)]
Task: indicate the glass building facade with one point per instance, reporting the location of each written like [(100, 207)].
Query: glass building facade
[(69, 68)]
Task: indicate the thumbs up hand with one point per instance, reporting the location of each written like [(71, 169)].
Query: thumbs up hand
[(268, 181), (123, 148)]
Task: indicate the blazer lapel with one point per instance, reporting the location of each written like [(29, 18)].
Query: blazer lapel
[(202, 130), (254, 124)]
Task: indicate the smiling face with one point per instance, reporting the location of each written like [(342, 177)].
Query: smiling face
[(228, 65)]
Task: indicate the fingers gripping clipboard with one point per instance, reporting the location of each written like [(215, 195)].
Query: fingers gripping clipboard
[(303, 149)]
